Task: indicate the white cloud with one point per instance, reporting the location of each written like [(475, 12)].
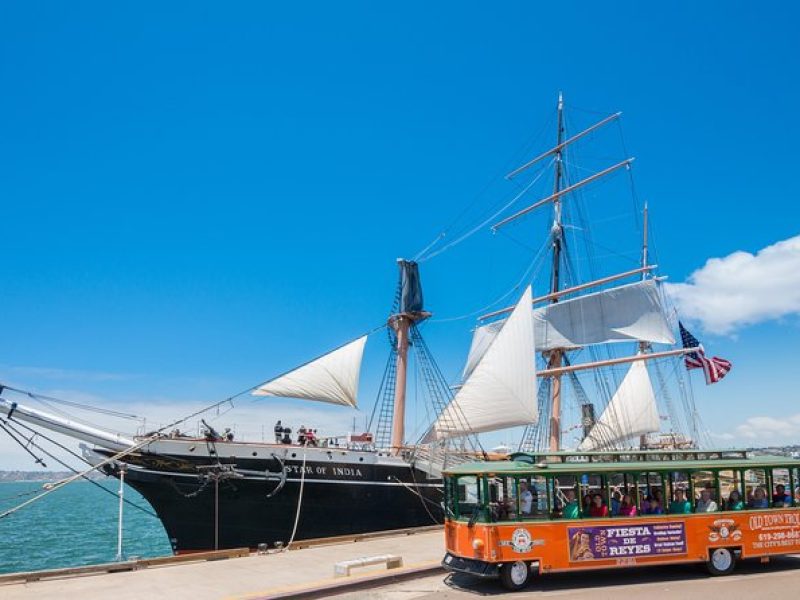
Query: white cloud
[(770, 429), (764, 431), (742, 288)]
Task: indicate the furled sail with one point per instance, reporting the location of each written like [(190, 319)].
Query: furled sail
[(501, 390), (410, 287), (333, 377), (625, 313), (632, 412)]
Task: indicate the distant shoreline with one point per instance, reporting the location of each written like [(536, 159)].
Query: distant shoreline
[(39, 476)]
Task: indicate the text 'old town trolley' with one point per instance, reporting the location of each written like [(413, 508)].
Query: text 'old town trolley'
[(568, 511)]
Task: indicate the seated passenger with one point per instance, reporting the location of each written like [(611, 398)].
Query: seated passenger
[(759, 499), (680, 505), (586, 507), (615, 498), (654, 507), (525, 498), (570, 509), (658, 495), (705, 503), (734, 501), (598, 509), (780, 499), (626, 507)]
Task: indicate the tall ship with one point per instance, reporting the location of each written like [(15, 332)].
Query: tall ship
[(590, 362)]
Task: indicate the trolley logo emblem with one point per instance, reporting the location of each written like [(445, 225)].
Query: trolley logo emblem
[(722, 529), (521, 540)]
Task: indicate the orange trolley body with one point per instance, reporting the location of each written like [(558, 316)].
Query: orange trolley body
[(516, 548)]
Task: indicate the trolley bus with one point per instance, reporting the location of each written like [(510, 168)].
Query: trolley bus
[(570, 511)]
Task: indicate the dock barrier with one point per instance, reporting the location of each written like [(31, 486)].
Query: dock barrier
[(128, 565)]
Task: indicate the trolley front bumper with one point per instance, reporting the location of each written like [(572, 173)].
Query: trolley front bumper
[(478, 568)]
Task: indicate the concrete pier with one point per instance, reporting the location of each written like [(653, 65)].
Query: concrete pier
[(274, 575)]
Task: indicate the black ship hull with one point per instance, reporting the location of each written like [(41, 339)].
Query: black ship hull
[(207, 506)]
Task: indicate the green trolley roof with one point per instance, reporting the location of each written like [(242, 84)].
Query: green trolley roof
[(613, 462)]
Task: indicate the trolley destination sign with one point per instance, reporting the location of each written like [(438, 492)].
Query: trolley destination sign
[(608, 542)]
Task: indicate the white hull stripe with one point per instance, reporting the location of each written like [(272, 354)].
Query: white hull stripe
[(307, 480)]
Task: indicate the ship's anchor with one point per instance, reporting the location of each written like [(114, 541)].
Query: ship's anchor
[(279, 476)]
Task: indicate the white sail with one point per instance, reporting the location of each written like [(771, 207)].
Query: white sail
[(625, 313), (632, 412), (332, 377), (482, 338), (501, 390)]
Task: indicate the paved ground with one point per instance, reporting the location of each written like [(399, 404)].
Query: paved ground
[(300, 570), (237, 578), (752, 581)]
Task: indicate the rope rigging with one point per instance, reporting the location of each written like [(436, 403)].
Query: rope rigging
[(299, 498), (5, 424), (88, 407), (79, 475), (524, 149), (424, 257), (130, 450)]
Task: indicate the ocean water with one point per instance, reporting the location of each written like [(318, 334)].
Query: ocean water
[(75, 525)]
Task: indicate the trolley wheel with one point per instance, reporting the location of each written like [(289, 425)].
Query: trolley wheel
[(515, 575), (721, 561)]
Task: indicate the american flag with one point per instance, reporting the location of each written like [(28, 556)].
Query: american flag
[(713, 368)]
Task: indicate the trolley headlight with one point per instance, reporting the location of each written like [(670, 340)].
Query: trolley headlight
[(477, 544)]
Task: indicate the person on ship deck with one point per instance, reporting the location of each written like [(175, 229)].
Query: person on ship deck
[(311, 437), (287, 436)]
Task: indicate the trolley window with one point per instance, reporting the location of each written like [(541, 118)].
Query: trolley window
[(468, 494), (755, 485)]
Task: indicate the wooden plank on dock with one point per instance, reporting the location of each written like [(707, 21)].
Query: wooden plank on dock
[(194, 556), (128, 565), (360, 537)]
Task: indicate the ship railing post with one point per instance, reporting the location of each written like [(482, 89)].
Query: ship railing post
[(216, 512), (121, 507)]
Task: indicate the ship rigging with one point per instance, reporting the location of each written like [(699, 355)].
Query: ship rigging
[(212, 492)]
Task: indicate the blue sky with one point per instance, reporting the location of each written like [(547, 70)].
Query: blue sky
[(198, 196)]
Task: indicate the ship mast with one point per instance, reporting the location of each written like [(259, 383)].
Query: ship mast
[(556, 356), (409, 311), (644, 346), (401, 323)]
